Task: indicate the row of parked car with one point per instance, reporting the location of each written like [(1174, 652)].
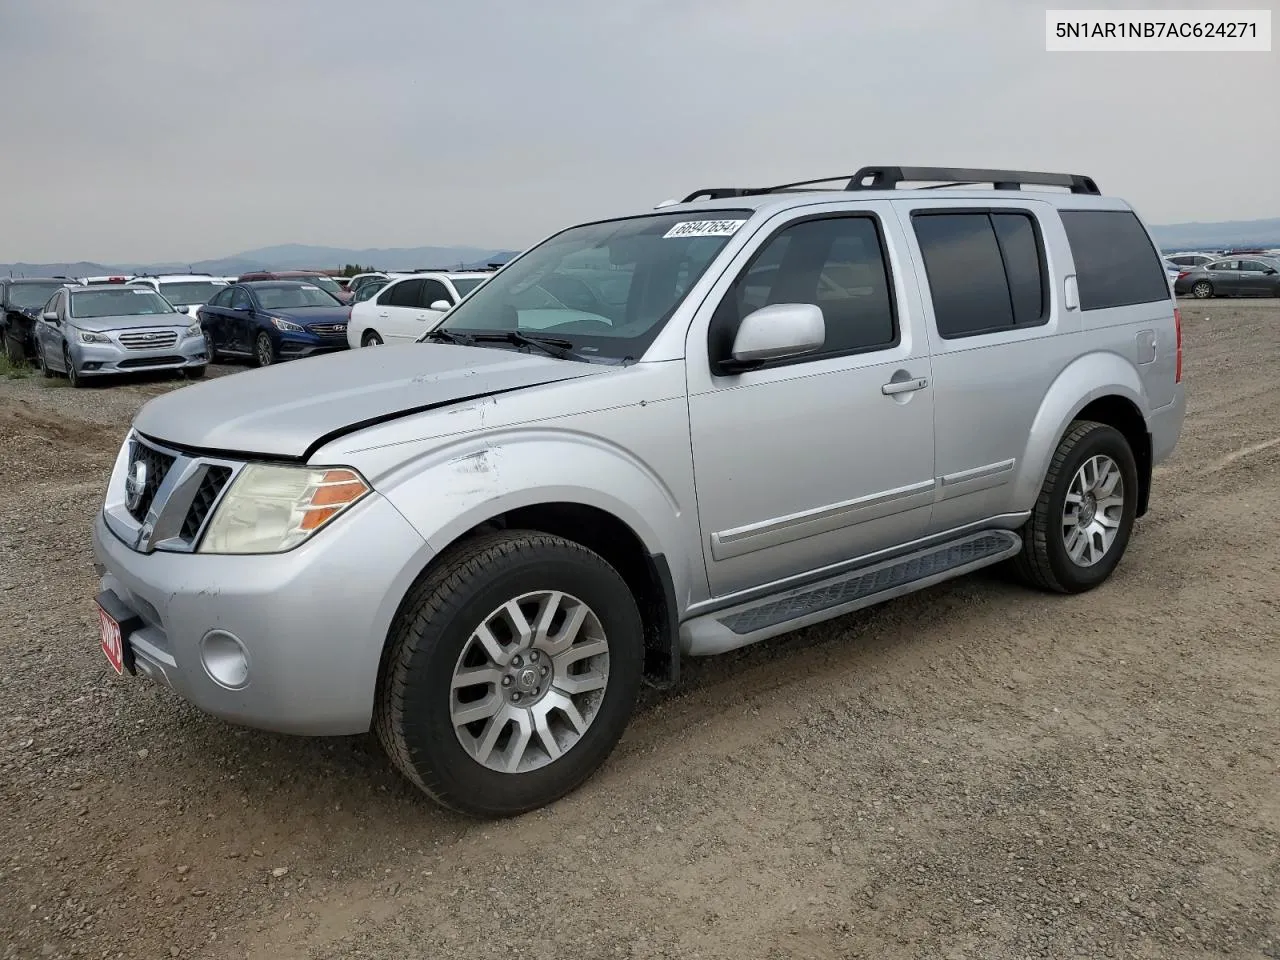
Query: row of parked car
[(92, 327), (1235, 273)]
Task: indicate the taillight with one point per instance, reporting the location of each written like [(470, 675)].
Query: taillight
[(1177, 335), (1183, 274)]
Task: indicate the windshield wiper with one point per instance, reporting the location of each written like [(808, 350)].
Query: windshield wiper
[(552, 346), (447, 336)]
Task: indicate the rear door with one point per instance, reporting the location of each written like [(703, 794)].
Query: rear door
[(213, 318), (399, 307), (995, 333), (239, 325)]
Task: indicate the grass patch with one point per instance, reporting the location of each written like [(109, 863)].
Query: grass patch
[(14, 371)]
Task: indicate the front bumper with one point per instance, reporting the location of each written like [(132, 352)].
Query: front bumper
[(295, 345), (100, 359), (311, 622)]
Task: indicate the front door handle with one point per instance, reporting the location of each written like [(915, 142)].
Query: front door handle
[(904, 386)]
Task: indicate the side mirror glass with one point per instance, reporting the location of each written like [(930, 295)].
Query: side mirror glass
[(777, 331), (440, 305), (50, 315)]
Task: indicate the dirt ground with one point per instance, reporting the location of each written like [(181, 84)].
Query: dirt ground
[(976, 771)]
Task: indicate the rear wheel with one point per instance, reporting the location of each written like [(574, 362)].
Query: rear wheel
[(264, 354), (371, 339), (1202, 290), (512, 670), (1081, 523)]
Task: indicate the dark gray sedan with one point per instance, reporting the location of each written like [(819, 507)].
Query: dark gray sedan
[(1231, 277)]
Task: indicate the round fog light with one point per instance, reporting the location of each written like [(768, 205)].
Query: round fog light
[(225, 659)]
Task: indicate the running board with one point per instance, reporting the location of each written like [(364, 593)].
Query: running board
[(769, 616)]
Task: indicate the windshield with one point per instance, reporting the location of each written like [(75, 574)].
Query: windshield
[(186, 293), (303, 295), (32, 295), (121, 302), (325, 284), (607, 288), (465, 285), (368, 291)]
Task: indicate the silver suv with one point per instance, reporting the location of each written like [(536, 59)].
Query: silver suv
[(659, 436)]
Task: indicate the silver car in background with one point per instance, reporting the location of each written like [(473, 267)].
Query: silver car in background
[(187, 292), (93, 331)]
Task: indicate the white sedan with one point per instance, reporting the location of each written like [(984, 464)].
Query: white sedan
[(408, 307)]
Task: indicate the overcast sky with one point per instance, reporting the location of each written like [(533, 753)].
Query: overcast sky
[(151, 130)]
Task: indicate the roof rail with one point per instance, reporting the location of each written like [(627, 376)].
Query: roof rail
[(888, 178)]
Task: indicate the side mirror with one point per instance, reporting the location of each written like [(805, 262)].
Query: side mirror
[(777, 331), (50, 315), (441, 305), (1270, 271)]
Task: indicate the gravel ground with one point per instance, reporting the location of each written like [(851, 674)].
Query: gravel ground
[(976, 771)]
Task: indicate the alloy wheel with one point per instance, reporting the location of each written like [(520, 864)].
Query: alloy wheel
[(1093, 510)]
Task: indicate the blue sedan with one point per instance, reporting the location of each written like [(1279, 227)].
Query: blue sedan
[(271, 320)]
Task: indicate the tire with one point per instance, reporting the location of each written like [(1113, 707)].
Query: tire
[(73, 376), (264, 354), (1202, 290), (209, 349), (434, 636), (371, 339), (40, 362), (1046, 560), (194, 373)]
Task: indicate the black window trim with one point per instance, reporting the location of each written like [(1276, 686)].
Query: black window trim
[(1045, 312), (1151, 245), (715, 363)]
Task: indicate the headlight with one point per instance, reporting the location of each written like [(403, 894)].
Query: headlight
[(286, 325), (194, 331), (270, 509), (87, 337)]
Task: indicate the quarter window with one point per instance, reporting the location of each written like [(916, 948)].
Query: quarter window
[(985, 269), (836, 263), (1116, 263)]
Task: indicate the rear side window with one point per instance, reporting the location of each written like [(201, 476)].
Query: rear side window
[(1116, 264), (985, 268)]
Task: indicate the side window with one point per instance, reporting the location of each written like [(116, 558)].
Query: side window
[(1116, 263), (221, 298), (1252, 265), (836, 263), (54, 305), (240, 299), (403, 294), (1225, 265), (432, 290), (985, 269)]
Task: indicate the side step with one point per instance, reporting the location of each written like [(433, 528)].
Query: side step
[(769, 616)]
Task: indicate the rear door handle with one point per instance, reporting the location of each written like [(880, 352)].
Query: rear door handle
[(904, 386)]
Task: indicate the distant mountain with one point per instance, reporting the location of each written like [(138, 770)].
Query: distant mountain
[(293, 256), (1226, 234)]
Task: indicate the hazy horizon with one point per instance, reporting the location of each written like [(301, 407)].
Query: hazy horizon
[(157, 132)]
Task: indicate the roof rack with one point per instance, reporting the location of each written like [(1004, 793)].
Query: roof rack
[(888, 178)]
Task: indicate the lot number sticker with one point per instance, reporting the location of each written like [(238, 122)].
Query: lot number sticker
[(704, 228)]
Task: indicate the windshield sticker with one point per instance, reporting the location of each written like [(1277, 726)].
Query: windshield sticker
[(308, 287), (704, 228), (143, 292)]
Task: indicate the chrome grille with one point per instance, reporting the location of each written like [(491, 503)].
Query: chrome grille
[(157, 466), (148, 339), (215, 479), (328, 329)]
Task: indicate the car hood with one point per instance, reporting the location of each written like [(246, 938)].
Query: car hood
[(102, 324), (310, 315), (289, 409)]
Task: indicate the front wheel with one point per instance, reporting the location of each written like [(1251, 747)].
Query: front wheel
[(73, 375), (210, 351), (512, 671), (194, 373), (1081, 523), (41, 363), (1202, 290), (264, 354), (371, 339)]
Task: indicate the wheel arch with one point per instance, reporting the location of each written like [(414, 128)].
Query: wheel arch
[(1103, 387)]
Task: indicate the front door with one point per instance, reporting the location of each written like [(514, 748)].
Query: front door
[(399, 307), (822, 458), (1253, 279)]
